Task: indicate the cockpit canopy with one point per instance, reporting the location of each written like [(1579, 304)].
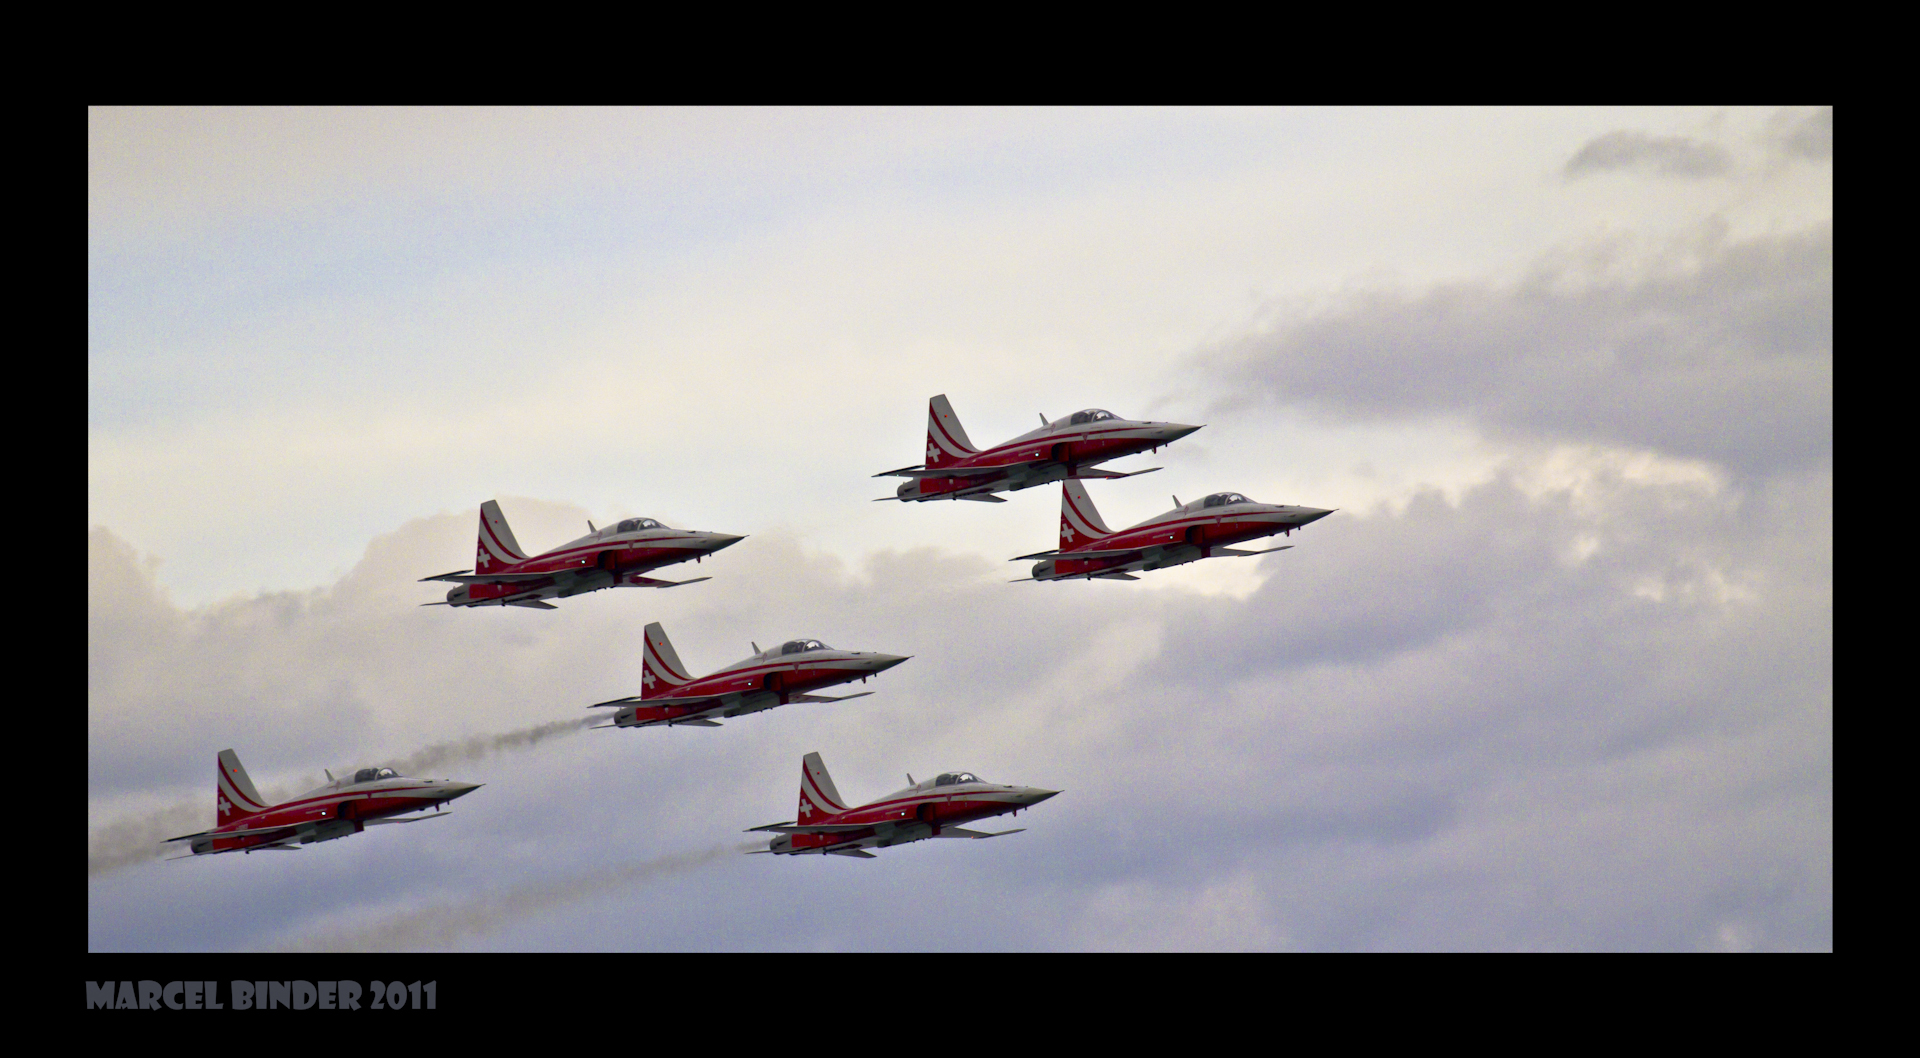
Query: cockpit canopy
[(373, 774), (801, 646), (953, 777), (1081, 418), (1221, 499), (632, 525)]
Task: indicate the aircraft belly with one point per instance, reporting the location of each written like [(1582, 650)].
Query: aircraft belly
[(580, 583), (1173, 556), (902, 834)]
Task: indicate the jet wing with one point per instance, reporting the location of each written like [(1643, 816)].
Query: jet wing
[(1108, 474), (962, 832), (1248, 554), (534, 604), (633, 581), (826, 697), (408, 819)]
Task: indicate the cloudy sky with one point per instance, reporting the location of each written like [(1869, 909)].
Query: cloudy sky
[(1558, 675)]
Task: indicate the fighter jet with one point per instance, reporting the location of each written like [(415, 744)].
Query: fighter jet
[(1063, 448), (767, 679), (613, 557), (1188, 533), (370, 797), (932, 808)]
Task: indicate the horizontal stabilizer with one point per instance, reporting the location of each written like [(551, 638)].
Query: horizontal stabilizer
[(534, 604), (902, 472), (962, 832), (1248, 554), (1112, 552), (408, 819), (817, 828), (445, 576), (1110, 475), (651, 582), (947, 472), (1036, 554), (243, 832), (616, 701), (492, 578), (826, 697)]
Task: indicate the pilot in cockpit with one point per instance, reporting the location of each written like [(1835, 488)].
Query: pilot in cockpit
[(374, 774)]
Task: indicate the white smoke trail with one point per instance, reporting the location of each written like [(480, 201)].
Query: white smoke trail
[(137, 839), (442, 925)]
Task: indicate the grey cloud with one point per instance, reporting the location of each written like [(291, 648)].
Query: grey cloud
[(1728, 357), (1662, 155), (1803, 133)]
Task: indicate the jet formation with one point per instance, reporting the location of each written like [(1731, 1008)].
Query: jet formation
[(769, 678), (370, 797), (614, 557), (931, 808), (1067, 450)]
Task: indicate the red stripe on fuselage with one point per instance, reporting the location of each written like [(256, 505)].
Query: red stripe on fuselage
[(1230, 527), (823, 676), (307, 804)]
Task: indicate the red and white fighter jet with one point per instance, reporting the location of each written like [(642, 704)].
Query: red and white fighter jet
[(371, 796), (1191, 531), (1063, 448), (613, 557), (767, 679), (933, 808)]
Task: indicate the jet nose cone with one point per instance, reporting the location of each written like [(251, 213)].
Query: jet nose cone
[(1313, 514), (1175, 431), (716, 541), (1033, 795), (459, 789), (883, 662)]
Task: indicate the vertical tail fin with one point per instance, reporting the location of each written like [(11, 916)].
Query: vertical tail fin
[(818, 798), (497, 548), (660, 669), (233, 794), (946, 441), (1079, 521)]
